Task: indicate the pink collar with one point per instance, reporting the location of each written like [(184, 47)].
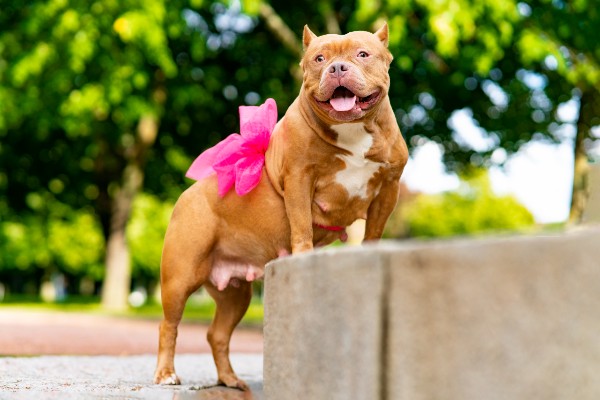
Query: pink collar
[(330, 228)]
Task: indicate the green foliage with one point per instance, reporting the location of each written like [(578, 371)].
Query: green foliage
[(198, 309), (472, 209), (75, 79), (475, 33), (563, 37), (146, 232), (58, 238), (20, 248), (55, 239), (77, 245)]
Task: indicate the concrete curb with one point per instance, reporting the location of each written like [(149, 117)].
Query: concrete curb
[(495, 319)]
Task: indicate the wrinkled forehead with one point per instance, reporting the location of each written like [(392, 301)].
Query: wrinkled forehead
[(340, 43)]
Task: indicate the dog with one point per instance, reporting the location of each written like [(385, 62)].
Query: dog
[(336, 156)]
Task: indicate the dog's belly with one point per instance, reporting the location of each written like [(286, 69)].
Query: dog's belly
[(253, 229)]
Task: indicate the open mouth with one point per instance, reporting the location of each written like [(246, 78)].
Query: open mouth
[(343, 99)]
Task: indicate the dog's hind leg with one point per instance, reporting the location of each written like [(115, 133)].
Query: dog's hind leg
[(174, 298), (182, 273), (175, 290), (185, 266), (232, 304), (173, 309)]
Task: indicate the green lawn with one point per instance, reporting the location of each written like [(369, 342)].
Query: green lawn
[(196, 310)]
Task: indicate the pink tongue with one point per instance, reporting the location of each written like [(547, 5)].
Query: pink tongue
[(342, 103)]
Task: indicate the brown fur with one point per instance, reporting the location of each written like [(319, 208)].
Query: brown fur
[(209, 237)]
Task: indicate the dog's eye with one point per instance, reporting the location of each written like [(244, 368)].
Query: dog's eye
[(363, 54), (320, 58)]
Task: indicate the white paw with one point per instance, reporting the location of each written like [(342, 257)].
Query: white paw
[(170, 380)]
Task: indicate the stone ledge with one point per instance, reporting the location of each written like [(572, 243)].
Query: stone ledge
[(501, 318)]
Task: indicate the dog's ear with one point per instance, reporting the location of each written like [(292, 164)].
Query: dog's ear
[(307, 36), (383, 34)]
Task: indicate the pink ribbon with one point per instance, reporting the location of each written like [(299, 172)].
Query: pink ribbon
[(239, 159)]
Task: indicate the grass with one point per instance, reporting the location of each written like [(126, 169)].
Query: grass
[(203, 310), (198, 309)]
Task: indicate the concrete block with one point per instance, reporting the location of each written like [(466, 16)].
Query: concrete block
[(506, 318), (323, 325), (514, 318)]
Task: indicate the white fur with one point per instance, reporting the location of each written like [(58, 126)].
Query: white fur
[(359, 170)]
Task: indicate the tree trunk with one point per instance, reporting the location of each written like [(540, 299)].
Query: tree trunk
[(580, 190), (117, 282)]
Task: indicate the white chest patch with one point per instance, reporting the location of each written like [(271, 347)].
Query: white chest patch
[(359, 170)]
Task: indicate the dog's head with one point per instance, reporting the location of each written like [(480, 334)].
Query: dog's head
[(346, 76)]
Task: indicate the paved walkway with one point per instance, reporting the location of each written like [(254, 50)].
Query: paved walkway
[(113, 358), (35, 333), (126, 377)]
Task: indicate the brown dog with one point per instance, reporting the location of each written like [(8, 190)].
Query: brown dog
[(336, 156)]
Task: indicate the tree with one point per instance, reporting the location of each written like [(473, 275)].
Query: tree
[(84, 89), (561, 40)]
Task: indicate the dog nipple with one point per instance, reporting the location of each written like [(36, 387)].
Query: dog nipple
[(222, 284), (344, 236), (250, 274), (283, 253), (322, 206)]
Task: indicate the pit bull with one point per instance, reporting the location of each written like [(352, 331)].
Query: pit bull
[(336, 156)]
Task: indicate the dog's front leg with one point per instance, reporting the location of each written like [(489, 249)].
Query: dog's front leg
[(380, 209), (297, 195)]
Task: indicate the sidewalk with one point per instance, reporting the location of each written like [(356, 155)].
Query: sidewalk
[(80, 356), (127, 377), (46, 333)]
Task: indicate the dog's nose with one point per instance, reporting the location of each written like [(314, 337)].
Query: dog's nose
[(338, 69)]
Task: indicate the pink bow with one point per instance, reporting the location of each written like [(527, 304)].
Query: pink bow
[(238, 159)]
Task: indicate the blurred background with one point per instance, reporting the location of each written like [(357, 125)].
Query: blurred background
[(104, 104)]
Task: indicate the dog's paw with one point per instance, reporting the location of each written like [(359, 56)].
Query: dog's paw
[(167, 378), (232, 381)]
